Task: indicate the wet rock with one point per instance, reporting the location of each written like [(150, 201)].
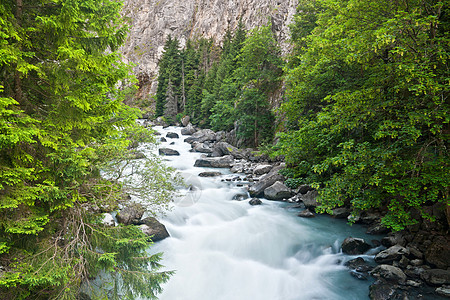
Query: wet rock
[(310, 199), (131, 214), (163, 139), (255, 201), (257, 189), (377, 228), (359, 264), (436, 277), (414, 252), (238, 168), (354, 246), (215, 162), (341, 213), (393, 239), (209, 174), (277, 191), (202, 148), (306, 214), (443, 291), (389, 273), (262, 169), (358, 275), (304, 188), (413, 283), (240, 197), (154, 229), (172, 135), (168, 152), (188, 130), (382, 290), (414, 272), (391, 254), (438, 253)]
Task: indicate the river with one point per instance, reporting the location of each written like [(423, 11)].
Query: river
[(223, 249)]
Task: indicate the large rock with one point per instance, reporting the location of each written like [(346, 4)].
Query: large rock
[(255, 201), (438, 253), (209, 174), (168, 152), (108, 219), (185, 120), (341, 213), (391, 254), (154, 229), (257, 189), (310, 199), (188, 130), (262, 169), (172, 135), (131, 214), (382, 290), (202, 136), (201, 148), (223, 148), (354, 246), (389, 273), (215, 162), (277, 191), (436, 277)]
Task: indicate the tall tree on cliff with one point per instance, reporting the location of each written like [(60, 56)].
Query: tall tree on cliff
[(61, 152), (368, 105), (170, 69)]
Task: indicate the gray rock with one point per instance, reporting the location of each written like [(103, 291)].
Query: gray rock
[(382, 290), (215, 162), (436, 277), (257, 189), (238, 168), (304, 188), (354, 246), (188, 130), (277, 191), (163, 139), (438, 253), (262, 169), (306, 214), (209, 174), (389, 273), (168, 152), (154, 229), (224, 148), (255, 201), (310, 199), (131, 214), (359, 264), (108, 219), (185, 120), (443, 291), (172, 135), (202, 136), (341, 213), (391, 254), (202, 148), (240, 197), (377, 228), (393, 239)]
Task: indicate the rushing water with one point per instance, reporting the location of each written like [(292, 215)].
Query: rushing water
[(223, 249)]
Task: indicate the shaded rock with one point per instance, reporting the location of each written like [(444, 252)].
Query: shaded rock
[(172, 135), (390, 273), (438, 253), (359, 264), (382, 290), (185, 120), (393, 239), (255, 201), (341, 213), (108, 219), (188, 130), (377, 228), (168, 152), (304, 188), (209, 174), (201, 136), (154, 229), (354, 246), (240, 197), (436, 277), (139, 155), (391, 254), (358, 275), (215, 162), (443, 291), (131, 214), (257, 189), (414, 252), (262, 169), (238, 168), (163, 139), (277, 191), (202, 148), (160, 122), (226, 149), (414, 272), (310, 199), (306, 214)]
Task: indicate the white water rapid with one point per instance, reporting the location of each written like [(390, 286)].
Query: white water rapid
[(223, 249)]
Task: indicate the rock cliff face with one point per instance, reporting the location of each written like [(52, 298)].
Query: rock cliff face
[(152, 21)]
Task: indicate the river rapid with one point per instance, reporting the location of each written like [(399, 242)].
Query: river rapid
[(224, 249)]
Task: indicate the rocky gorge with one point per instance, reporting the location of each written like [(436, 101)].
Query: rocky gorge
[(411, 264)]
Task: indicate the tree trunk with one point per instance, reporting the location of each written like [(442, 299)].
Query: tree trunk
[(17, 78)]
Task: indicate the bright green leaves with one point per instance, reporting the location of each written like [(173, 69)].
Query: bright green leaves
[(367, 105)]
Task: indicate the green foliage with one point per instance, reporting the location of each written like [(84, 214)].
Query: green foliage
[(367, 107), (65, 151)]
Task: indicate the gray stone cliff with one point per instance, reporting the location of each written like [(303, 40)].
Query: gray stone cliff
[(151, 21)]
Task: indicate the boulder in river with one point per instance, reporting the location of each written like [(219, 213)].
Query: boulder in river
[(188, 130), (131, 214), (255, 201), (354, 246), (154, 229), (277, 191), (389, 273), (257, 189), (223, 148), (172, 135), (391, 254), (382, 290), (168, 152), (306, 214), (436, 277), (262, 169), (201, 136), (215, 162), (209, 174), (202, 148), (310, 199)]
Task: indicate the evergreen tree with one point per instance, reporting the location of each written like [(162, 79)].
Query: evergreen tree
[(62, 154)]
